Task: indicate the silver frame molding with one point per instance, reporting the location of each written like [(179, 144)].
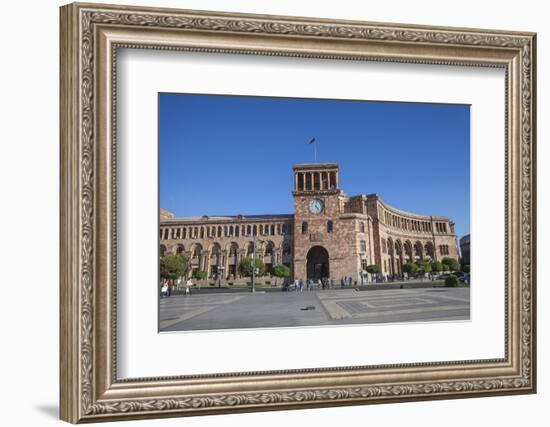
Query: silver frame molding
[(90, 37)]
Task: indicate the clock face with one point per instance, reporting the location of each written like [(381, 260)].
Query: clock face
[(316, 206)]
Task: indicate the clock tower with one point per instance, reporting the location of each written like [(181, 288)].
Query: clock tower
[(318, 205)]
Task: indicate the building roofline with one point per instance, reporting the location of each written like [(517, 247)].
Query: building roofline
[(376, 196), (315, 166), (227, 218)]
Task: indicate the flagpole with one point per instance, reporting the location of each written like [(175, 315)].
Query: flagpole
[(315, 150), (314, 142)]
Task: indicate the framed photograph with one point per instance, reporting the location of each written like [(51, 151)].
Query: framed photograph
[(266, 213)]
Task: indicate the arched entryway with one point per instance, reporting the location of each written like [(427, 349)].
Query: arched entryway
[(317, 265)]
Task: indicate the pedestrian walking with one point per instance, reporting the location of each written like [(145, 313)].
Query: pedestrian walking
[(188, 285), (301, 285)]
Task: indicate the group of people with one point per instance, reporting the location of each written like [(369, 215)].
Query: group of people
[(166, 289), (322, 283)]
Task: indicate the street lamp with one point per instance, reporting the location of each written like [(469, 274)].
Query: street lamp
[(254, 240)]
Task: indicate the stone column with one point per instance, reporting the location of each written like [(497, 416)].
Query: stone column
[(206, 262), (225, 263), (241, 253), (295, 181)]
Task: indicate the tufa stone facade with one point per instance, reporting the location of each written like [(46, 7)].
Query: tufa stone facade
[(329, 235)]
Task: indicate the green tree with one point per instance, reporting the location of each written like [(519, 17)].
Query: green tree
[(281, 271), (200, 275), (245, 267), (423, 268), (373, 269), (450, 264), (466, 268), (436, 266), (173, 266), (410, 268)]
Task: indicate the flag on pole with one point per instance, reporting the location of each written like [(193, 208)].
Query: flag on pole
[(312, 141)]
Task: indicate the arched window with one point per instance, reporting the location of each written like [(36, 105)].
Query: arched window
[(418, 249), (162, 250), (408, 250), (429, 249), (197, 251), (215, 253), (330, 226), (304, 227)]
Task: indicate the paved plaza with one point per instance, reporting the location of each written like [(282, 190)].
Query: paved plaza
[(239, 310)]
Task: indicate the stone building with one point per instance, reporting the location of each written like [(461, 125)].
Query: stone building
[(465, 249), (329, 234)]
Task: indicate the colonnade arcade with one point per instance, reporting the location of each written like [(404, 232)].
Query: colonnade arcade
[(226, 260), (400, 253), (316, 180)]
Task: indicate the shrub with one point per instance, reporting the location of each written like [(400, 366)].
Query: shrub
[(200, 275), (451, 281)]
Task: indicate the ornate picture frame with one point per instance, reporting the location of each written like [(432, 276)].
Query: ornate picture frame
[(90, 37)]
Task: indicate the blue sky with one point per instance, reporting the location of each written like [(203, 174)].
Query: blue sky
[(228, 155)]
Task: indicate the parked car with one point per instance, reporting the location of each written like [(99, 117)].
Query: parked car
[(164, 291)]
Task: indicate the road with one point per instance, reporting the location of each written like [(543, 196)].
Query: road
[(314, 308)]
